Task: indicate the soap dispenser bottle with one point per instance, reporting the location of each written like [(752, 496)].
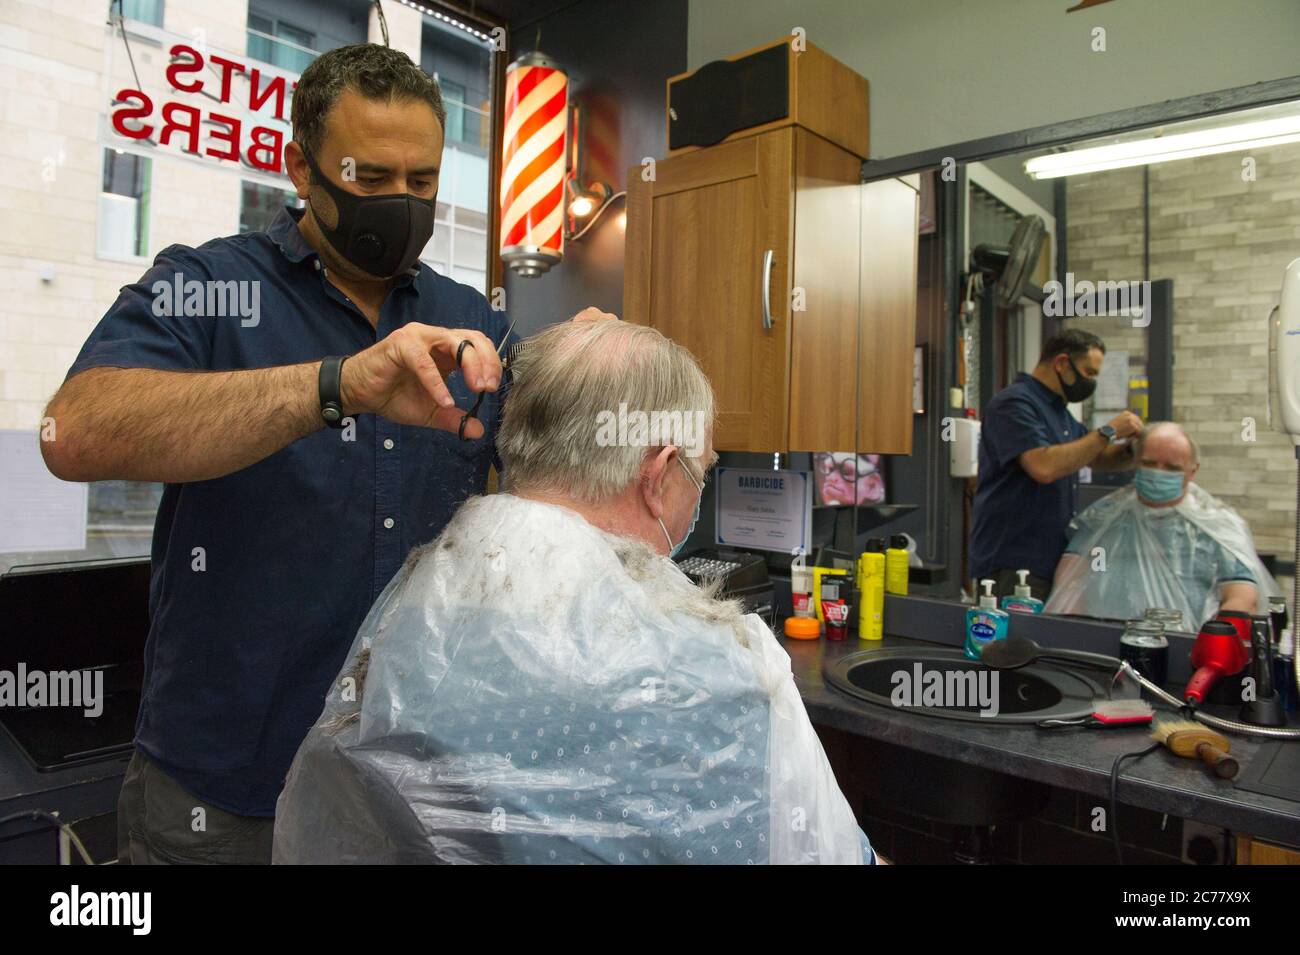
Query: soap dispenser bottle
[(984, 623), (1023, 600)]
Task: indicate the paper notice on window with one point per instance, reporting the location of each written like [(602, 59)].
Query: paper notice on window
[(769, 510), (38, 512), (1112, 383)]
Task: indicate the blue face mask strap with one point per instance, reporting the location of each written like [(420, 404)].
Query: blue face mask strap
[(674, 548)]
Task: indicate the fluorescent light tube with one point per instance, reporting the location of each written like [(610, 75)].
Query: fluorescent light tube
[(1154, 149)]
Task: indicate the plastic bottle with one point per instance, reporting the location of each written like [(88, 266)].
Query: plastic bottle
[(896, 566), (1023, 600), (1283, 676), (985, 623), (871, 617), (801, 587)]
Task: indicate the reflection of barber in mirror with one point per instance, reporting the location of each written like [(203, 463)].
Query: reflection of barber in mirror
[(1031, 450), (1191, 558)]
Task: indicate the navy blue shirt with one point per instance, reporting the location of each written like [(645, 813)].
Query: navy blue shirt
[(262, 577), (1017, 522)]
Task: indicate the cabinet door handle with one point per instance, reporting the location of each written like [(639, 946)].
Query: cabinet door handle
[(767, 289)]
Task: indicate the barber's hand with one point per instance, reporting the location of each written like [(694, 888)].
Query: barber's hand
[(593, 314), (1126, 424), (403, 377)]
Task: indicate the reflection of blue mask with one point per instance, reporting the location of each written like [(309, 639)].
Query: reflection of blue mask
[(1158, 487), (673, 549)]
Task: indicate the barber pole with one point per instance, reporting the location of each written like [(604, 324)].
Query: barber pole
[(532, 165)]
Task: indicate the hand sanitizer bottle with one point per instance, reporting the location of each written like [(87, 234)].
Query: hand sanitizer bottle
[(1023, 600), (984, 623)]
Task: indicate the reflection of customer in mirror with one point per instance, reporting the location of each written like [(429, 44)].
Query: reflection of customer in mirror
[(847, 478)]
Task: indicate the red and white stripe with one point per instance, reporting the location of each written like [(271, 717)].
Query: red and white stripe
[(532, 167)]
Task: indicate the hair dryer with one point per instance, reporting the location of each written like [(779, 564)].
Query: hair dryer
[(1218, 652)]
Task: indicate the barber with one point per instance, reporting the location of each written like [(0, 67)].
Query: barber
[(1031, 450), (305, 449)]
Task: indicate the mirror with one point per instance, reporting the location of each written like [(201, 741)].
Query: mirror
[(1168, 243)]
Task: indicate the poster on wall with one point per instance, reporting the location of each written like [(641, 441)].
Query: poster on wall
[(766, 510), (38, 512)]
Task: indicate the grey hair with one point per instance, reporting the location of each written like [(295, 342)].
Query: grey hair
[(1151, 426), (376, 72), (575, 374)]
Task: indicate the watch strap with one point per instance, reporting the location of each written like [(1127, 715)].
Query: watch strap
[(330, 389)]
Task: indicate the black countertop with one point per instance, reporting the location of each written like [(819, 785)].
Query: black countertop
[(76, 792), (1072, 758), (1076, 759)]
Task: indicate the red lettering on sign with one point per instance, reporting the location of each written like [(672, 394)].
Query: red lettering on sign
[(230, 136), (193, 66), (271, 149), (228, 69), (171, 125), (256, 98), (121, 115)]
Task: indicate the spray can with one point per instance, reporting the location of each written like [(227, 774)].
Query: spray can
[(871, 619), (896, 566)]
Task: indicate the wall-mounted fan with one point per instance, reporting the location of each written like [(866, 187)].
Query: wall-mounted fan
[(1011, 265)]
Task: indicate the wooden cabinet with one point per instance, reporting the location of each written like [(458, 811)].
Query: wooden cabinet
[(793, 284), (887, 314), (702, 239)]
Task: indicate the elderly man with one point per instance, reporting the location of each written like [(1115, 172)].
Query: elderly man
[(540, 684), (1162, 542)]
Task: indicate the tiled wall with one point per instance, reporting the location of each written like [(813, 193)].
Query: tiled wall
[(1224, 241)]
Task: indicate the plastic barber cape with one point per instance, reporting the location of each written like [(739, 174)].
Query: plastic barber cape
[(1175, 557), (532, 689)]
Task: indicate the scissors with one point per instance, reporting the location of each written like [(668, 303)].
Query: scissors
[(478, 402)]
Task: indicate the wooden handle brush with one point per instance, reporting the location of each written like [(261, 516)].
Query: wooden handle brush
[(1193, 740)]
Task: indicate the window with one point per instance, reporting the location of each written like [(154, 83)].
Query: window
[(144, 11), (124, 205), (462, 65), (279, 43), (259, 204), (453, 100)]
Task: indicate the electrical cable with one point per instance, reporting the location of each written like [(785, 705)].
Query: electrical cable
[(383, 21), (1231, 726), (1295, 587), (121, 25), (603, 206), (53, 818), (1113, 821)]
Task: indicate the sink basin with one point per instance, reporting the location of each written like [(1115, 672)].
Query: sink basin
[(895, 677)]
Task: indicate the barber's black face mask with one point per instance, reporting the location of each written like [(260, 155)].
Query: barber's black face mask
[(381, 235), (1081, 388)]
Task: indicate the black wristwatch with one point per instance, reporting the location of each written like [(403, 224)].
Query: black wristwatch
[(330, 388), (1107, 432)]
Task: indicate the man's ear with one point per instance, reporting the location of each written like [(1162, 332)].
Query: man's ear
[(654, 478), (295, 164)]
